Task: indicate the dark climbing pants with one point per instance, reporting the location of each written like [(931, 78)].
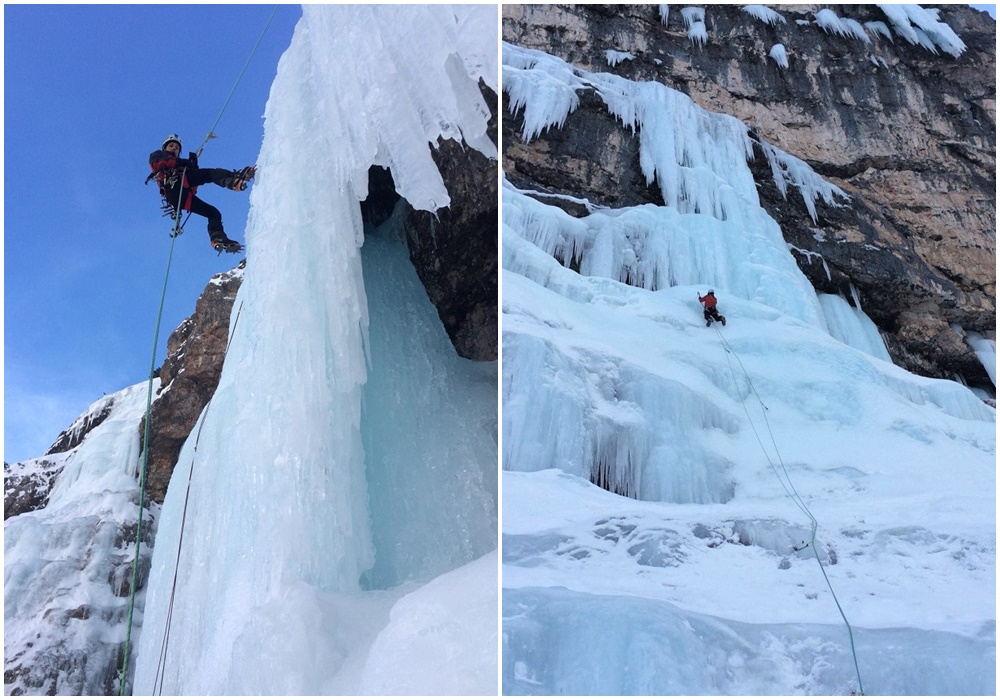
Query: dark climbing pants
[(711, 314), (201, 176)]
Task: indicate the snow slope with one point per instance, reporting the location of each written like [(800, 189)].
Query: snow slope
[(717, 445)]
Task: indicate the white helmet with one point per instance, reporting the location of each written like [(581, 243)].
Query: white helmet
[(172, 137), (710, 291)]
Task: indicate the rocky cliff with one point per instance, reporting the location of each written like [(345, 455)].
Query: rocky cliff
[(188, 377), (908, 130)]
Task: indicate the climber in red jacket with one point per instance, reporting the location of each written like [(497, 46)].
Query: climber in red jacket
[(179, 179), (711, 313)]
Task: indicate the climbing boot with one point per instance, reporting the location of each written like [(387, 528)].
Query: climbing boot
[(723, 320), (241, 179), (223, 245)]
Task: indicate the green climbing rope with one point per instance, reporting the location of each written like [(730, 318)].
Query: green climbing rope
[(792, 493), (149, 390), (142, 473), (211, 132)]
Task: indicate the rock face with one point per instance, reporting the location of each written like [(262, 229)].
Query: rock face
[(26, 485), (188, 378), (908, 134), (454, 250)]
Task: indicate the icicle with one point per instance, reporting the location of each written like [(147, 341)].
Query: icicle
[(616, 57), (694, 20), (832, 24), (856, 297), (779, 55), (920, 26), (764, 14)]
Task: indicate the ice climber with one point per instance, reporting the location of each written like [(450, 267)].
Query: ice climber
[(711, 313), (179, 179)]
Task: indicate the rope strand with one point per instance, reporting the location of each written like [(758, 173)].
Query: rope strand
[(177, 229), (211, 132), (792, 493), (142, 474), (161, 663)]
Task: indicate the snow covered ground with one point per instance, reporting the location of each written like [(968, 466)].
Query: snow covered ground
[(720, 445)]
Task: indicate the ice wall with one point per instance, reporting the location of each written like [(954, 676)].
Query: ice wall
[(651, 540), (278, 533), (712, 230), (619, 384), (851, 326), (429, 427)]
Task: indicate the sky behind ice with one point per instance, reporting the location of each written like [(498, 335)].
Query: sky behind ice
[(90, 91)]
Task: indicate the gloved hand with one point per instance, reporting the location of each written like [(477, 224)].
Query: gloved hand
[(192, 160)]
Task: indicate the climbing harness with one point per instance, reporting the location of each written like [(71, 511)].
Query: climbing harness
[(789, 487), (177, 230), (158, 677)]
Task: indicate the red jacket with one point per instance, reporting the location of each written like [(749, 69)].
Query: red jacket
[(166, 166), (709, 301)]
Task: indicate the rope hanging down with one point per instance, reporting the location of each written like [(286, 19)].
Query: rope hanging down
[(789, 487), (149, 390), (161, 662)]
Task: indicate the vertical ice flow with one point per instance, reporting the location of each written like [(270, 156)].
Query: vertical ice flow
[(278, 512)]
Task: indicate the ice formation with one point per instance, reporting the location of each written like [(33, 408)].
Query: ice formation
[(879, 29), (615, 57), (542, 85), (764, 14), (921, 26), (694, 21), (779, 55), (828, 20), (340, 465), (986, 351), (698, 158), (851, 326), (68, 566), (649, 544)]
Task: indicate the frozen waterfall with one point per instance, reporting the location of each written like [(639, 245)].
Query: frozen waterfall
[(650, 543), (330, 481)]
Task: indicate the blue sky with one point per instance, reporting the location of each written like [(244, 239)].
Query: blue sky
[(90, 91)]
